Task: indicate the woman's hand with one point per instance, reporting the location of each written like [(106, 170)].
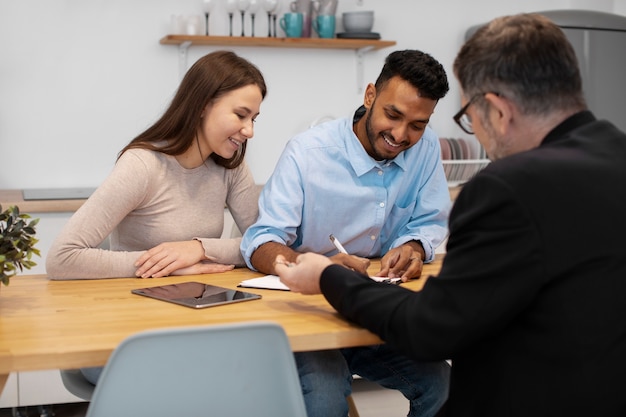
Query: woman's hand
[(204, 267), (164, 259)]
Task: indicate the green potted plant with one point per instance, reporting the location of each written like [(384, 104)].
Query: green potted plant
[(17, 242)]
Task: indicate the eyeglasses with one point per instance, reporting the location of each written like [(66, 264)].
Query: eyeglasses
[(463, 119)]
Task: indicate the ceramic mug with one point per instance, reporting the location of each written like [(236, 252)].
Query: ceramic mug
[(291, 23), (306, 8), (324, 26)]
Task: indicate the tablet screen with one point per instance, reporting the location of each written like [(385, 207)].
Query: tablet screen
[(196, 294)]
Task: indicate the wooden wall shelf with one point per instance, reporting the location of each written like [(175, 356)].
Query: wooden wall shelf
[(360, 46), (318, 43)]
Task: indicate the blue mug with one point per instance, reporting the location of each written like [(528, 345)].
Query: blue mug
[(291, 23), (324, 26)]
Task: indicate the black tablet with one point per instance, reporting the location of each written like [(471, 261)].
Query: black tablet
[(196, 294)]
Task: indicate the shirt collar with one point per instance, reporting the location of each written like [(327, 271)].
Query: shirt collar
[(360, 160)]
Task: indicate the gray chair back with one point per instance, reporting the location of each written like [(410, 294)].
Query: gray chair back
[(244, 369)]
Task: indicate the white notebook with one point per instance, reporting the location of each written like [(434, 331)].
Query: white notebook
[(272, 282), (268, 282)]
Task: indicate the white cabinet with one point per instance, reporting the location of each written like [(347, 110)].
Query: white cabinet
[(9, 397), (35, 388), (42, 388)]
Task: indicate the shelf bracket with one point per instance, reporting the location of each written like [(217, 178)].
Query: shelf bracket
[(182, 58), (359, 67)]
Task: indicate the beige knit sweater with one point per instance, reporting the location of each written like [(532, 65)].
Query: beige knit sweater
[(149, 199)]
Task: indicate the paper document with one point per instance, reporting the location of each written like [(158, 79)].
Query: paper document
[(272, 282), (386, 280), (268, 282)]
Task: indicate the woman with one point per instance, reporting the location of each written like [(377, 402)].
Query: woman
[(163, 204)]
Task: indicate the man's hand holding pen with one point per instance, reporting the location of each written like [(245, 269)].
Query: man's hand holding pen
[(349, 261), (404, 262)]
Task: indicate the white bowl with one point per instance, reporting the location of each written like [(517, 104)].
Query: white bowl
[(361, 22)]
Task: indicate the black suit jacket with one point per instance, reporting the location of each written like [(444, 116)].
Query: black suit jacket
[(530, 303)]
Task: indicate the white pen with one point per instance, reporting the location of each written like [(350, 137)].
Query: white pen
[(385, 280), (338, 244)]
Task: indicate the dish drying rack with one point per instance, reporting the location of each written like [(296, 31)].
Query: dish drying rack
[(462, 159), (459, 171)]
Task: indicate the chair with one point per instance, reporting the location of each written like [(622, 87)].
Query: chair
[(226, 370), (76, 383)]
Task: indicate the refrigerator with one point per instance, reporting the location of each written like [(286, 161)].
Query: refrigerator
[(600, 42)]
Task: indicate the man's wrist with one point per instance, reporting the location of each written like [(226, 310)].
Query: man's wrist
[(417, 246)]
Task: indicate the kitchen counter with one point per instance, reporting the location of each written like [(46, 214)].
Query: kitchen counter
[(15, 198)]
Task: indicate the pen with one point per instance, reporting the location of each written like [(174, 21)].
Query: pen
[(340, 248), (337, 244)]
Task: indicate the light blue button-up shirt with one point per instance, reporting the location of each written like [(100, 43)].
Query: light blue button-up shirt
[(325, 183)]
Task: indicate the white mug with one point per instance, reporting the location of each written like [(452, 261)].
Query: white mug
[(194, 25)]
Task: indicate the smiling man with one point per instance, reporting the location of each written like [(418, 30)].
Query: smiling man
[(375, 181)]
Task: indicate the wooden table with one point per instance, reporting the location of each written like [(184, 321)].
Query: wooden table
[(69, 324)]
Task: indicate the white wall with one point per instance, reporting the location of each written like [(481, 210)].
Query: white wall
[(80, 78)]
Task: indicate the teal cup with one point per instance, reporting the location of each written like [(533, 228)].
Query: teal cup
[(324, 26), (291, 23)]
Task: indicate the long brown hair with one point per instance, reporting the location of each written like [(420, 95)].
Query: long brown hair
[(209, 78)]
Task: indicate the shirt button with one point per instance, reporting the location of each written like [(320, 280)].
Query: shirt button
[(372, 237), (380, 172), (382, 204)]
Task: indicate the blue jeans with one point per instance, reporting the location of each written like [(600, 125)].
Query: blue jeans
[(326, 379)]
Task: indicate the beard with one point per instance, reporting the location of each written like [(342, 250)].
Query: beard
[(372, 136), (497, 146)]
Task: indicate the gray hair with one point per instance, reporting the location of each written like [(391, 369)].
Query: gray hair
[(526, 58)]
